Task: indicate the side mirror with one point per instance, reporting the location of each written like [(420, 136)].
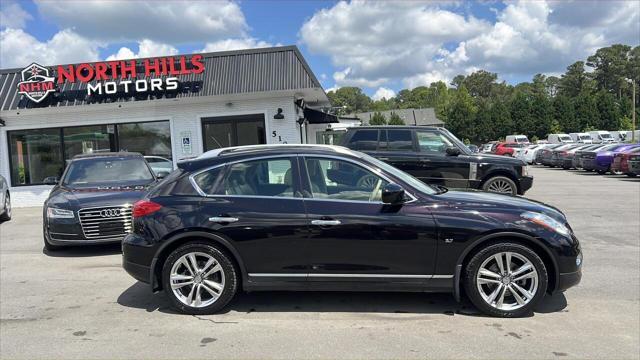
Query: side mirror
[(392, 194), (51, 180), (162, 174), (452, 151)]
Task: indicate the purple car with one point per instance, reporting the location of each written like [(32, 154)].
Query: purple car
[(604, 158)]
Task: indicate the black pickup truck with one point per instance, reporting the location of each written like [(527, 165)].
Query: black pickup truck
[(435, 156)]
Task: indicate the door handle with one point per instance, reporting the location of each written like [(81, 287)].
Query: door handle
[(223, 219), (325, 222)]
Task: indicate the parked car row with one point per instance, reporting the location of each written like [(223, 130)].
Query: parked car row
[(603, 158)]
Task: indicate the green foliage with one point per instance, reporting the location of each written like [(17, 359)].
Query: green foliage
[(626, 123), (461, 114), (378, 119), (586, 111), (349, 100), (501, 118), (565, 114), (395, 119), (534, 139), (608, 111)]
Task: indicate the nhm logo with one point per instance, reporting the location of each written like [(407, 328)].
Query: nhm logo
[(36, 83)]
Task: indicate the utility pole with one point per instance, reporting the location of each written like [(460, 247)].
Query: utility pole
[(633, 115)]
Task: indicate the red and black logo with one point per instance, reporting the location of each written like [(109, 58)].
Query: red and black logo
[(36, 83)]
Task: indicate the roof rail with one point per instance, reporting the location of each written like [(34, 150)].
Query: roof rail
[(234, 149)]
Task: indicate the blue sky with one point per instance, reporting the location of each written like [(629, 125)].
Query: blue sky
[(380, 46)]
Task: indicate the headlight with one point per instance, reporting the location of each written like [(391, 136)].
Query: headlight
[(546, 221), (55, 213), (525, 170)]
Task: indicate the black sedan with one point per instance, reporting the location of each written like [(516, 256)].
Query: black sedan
[(295, 217), (91, 204)]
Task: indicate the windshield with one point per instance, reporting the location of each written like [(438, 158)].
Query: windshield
[(585, 137), (605, 136), (415, 183), (565, 137), (108, 172), (609, 147), (522, 139)]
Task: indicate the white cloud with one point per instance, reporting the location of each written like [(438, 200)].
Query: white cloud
[(162, 21), (235, 44), (12, 15), (383, 93), (146, 48), (373, 43), (20, 48)]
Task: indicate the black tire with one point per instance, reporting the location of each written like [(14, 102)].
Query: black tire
[(631, 174), (6, 215), (493, 182), (472, 268), (230, 278)]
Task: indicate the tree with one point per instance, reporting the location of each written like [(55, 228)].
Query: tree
[(501, 120), (610, 68), (586, 111), (575, 80), (462, 114), (484, 128), (608, 111), (541, 115), (350, 100), (565, 115), (395, 119), (378, 119), (521, 114)]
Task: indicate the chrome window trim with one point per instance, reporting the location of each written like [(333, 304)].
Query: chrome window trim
[(368, 167), (365, 165), (316, 275)]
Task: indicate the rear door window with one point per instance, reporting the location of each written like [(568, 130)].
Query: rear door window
[(364, 140), (399, 140), (264, 177)]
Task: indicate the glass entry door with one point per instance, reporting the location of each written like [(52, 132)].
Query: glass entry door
[(225, 131)]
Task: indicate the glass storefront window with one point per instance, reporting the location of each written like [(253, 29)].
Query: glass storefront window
[(87, 140), (36, 156), (219, 132), (149, 138), (39, 156)]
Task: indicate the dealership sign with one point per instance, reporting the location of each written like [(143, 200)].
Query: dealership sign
[(111, 78)]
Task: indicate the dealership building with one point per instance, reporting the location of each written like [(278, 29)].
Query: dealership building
[(174, 107)]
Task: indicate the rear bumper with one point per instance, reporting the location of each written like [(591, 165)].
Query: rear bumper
[(137, 258), (137, 271)]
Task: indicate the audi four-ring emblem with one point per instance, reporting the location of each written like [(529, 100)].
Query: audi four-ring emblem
[(110, 213)]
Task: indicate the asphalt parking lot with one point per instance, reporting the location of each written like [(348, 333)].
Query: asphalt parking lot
[(81, 304)]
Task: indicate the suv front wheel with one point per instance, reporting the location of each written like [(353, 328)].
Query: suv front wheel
[(501, 185), (506, 280), (199, 279)]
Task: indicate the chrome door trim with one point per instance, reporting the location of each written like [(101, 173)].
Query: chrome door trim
[(223, 219), (326, 222), (316, 275)]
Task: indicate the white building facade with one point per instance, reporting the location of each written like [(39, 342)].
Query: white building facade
[(237, 98)]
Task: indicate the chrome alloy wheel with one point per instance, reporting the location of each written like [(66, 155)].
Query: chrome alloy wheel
[(507, 281), (500, 186), (7, 205), (197, 279)]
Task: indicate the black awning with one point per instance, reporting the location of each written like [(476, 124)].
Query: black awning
[(319, 117), (2, 122)]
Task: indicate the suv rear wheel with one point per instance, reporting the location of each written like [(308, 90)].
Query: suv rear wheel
[(506, 280), (199, 279), (501, 185)]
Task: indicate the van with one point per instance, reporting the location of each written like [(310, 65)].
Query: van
[(559, 138), (581, 138), (621, 136), (520, 139), (601, 137)]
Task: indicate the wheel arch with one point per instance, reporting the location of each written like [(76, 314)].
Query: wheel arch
[(524, 239), (176, 241)]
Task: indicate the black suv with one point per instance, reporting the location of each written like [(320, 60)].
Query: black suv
[(295, 217), (436, 156)]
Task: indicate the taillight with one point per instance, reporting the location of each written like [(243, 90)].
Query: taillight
[(145, 207)]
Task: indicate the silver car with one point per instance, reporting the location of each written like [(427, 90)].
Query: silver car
[(5, 200)]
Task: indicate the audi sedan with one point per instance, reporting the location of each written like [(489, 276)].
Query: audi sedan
[(91, 204), (295, 217)]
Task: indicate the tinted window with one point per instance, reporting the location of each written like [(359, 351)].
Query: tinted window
[(432, 142), (259, 178), (208, 180), (343, 180), (399, 140), (108, 171), (364, 140), (36, 156)]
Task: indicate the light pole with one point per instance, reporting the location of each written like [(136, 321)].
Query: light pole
[(633, 115)]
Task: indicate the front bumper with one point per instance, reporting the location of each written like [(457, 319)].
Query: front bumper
[(568, 280), (525, 183), (68, 232)]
